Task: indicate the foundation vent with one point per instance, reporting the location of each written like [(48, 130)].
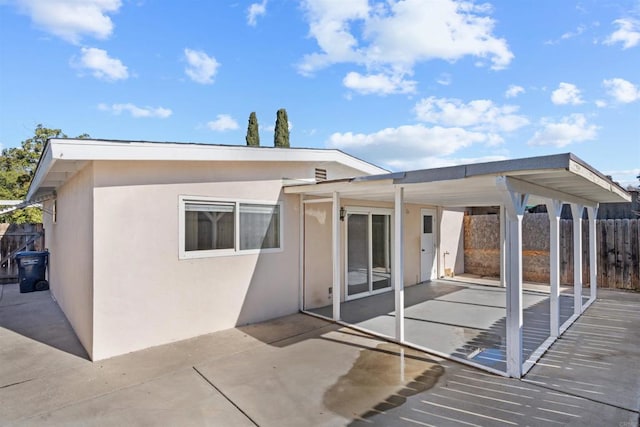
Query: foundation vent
[(321, 175)]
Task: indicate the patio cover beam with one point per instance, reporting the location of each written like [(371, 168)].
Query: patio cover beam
[(335, 254), (523, 187), (515, 204), (592, 213), (398, 261), (576, 213), (554, 210)]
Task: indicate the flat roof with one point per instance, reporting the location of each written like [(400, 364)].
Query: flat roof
[(62, 158), (561, 176)]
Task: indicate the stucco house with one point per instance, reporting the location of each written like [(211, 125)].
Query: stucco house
[(156, 242)]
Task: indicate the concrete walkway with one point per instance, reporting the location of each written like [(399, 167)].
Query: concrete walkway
[(299, 370)]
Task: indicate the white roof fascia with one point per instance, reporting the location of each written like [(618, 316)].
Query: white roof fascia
[(87, 149), (587, 174), (517, 185), (44, 166)]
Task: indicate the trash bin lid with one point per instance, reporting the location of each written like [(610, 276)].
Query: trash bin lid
[(23, 254)]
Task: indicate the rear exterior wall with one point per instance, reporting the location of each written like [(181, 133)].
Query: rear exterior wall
[(144, 294), (70, 242)]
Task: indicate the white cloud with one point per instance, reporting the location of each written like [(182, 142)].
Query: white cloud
[(566, 93), (223, 122), (572, 34), (479, 115), (513, 91), (72, 19), (570, 129), (445, 79), (137, 112), (255, 10), (391, 36), (568, 35), (101, 65), (202, 67), (622, 90), (628, 33), (395, 146), (601, 103), (380, 84)]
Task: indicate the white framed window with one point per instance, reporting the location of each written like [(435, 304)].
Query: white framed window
[(211, 227)]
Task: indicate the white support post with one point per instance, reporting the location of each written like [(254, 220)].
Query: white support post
[(503, 249), (554, 209), (335, 255), (398, 261), (592, 212), (301, 254), (576, 213), (515, 204)]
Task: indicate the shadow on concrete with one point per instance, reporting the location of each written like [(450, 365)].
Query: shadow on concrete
[(34, 316)]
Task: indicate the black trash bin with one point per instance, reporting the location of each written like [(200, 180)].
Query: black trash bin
[(32, 266)]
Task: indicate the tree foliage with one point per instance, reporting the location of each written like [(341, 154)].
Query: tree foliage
[(281, 137), (253, 136), (17, 167)]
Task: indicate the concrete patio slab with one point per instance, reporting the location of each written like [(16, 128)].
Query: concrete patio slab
[(300, 370), (457, 319)]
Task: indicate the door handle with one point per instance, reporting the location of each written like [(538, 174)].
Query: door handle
[(423, 250)]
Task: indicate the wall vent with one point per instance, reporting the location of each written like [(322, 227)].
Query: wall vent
[(321, 174)]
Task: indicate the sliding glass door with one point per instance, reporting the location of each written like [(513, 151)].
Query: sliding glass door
[(368, 264)]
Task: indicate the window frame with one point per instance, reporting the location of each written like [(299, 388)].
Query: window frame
[(183, 200)]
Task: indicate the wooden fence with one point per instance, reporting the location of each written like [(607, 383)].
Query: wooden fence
[(617, 243), (14, 238)]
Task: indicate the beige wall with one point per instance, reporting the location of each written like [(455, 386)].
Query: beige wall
[(115, 268), (70, 243), (318, 273), (144, 294), (124, 173), (452, 240)]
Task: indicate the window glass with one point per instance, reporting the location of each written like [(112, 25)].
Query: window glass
[(427, 226), (259, 226), (209, 226)]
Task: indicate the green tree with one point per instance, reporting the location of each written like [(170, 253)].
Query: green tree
[(253, 137), (281, 137), (17, 167)]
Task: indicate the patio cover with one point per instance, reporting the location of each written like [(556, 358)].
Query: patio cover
[(512, 184), (561, 176)]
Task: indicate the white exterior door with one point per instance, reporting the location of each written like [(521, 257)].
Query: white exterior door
[(428, 246)]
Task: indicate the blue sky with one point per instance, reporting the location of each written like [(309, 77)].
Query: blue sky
[(404, 84)]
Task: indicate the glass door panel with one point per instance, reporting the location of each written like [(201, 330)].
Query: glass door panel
[(357, 254), (380, 251)]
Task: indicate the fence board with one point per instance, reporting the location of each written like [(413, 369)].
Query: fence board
[(626, 253), (617, 247), (610, 250), (12, 237), (635, 254)]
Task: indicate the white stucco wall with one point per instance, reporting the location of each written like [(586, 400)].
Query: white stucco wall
[(144, 294), (452, 240), (318, 276), (70, 243)]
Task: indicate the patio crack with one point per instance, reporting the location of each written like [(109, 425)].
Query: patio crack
[(16, 383), (226, 397)]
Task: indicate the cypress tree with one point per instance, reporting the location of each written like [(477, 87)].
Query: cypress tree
[(253, 137), (281, 137)]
